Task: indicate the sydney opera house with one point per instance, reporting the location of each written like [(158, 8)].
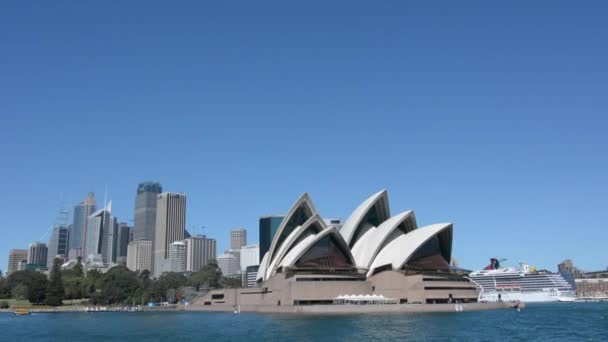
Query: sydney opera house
[(372, 255)]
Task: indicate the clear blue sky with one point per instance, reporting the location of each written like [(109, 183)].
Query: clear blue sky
[(489, 115)]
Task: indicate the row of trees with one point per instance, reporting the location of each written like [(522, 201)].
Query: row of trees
[(118, 285)]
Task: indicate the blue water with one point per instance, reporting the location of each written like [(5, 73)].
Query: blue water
[(541, 322)]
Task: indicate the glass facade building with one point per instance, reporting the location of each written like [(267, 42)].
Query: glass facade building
[(268, 228)]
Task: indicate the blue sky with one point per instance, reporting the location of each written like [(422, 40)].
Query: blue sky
[(492, 116)]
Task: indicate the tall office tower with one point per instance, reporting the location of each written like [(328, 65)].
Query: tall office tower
[(199, 251), (37, 254), (268, 227), (229, 265), (237, 255), (123, 232), (145, 210), (139, 255), (82, 211), (177, 256), (238, 238), (15, 256), (58, 244), (170, 226), (250, 256), (100, 235)]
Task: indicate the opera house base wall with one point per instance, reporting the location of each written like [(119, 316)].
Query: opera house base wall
[(353, 309), (424, 288)]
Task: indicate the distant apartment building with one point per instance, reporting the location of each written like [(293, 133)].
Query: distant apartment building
[(249, 276), (15, 257), (145, 210), (99, 239), (78, 229), (37, 254), (170, 227), (238, 238), (199, 251), (139, 255), (58, 244), (228, 264), (567, 270), (177, 256), (267, 229), (250, 256)]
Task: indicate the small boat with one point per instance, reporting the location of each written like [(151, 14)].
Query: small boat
[(22, 311)]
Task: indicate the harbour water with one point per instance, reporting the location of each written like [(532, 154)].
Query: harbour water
[(540, 322)]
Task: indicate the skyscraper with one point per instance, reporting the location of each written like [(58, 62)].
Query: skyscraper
[(100, 235), (170, 226), (58, 243), (199, 251), (16, 256), (123, 232), (37, 254), (238, 238), (268, 227), (82, 211), (145, 210), (139, 255)]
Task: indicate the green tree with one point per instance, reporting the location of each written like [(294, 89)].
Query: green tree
[(116, 286), (34, 282), (55, 290), (207, 277)]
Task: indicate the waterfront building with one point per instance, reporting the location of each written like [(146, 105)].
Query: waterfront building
[(15, 257), (592, 288), (99, 238), (177, 256), (170, 227), (82, 211), (373, 253), (267, 229), (58, 243), (229, 265), (122, 235), (37, 254), (249, 275), (250, 256), (145, 210), (199, 251), (139, 255), (238, 238)]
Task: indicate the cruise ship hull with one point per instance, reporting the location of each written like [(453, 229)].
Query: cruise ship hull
[(528, 297)]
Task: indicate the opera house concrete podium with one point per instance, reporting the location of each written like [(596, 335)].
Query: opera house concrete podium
[(373, 255)]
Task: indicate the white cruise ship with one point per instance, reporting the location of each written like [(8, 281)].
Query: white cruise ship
[(520, 284)]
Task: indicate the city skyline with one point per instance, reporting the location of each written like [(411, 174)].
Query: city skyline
[(491, 117)]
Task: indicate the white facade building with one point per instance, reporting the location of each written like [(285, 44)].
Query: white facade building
[(250, 256), (139, 255), (229, 265), (177, 256), (199, 251)]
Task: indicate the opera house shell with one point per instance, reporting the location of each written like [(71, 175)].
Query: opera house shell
[(373, 253)]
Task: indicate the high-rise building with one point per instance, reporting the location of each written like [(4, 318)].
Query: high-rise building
[(268, 227), (250, 256), (170, 226), (145, 210), (99, 239), (123, 232), (200, 250), (229, 265), (16, 256), (177, 256), (139, 255), (82, 211), (237, 255), (238, 238), (37, 254), (58, 243)]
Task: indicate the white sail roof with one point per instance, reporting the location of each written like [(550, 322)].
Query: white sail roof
[(294, 255), (349, 229), (369, 245), (399, 251)]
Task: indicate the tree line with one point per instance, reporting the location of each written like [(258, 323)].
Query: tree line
[(118, 285)]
